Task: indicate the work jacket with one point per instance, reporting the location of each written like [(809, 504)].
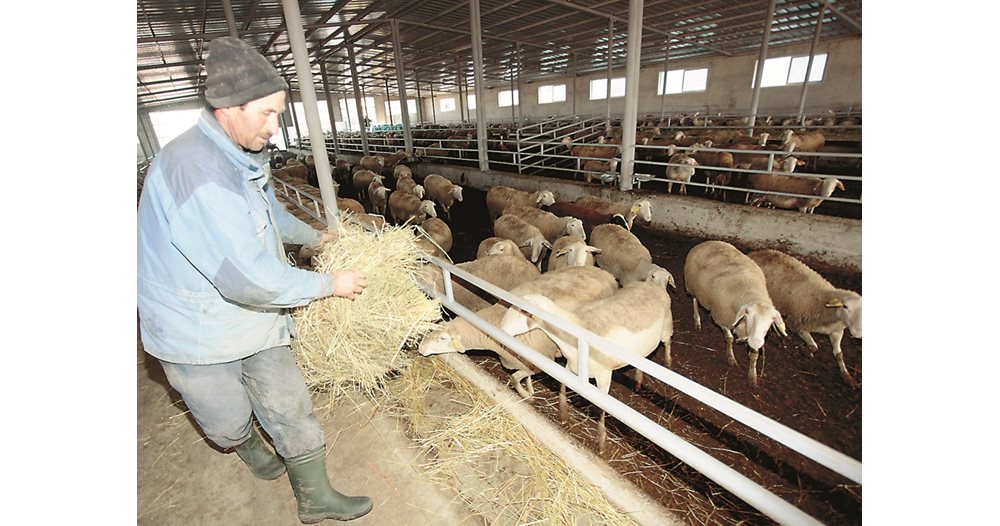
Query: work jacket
[(213, 281)]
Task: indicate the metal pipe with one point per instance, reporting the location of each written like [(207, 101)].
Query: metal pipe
[(663, 96), (397, 49), (631, 94), (477, 71), (760, 67), (458, 84), (607, 101), (290, 101), (433, 109), (809, 65), (354, 81), (296, 36), (388, 102), (420, 99), (227, 8), (574, 82), (513, 117), (329, 108), (520, 66)]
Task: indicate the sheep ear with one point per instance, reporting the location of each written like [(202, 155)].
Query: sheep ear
[(547, 245), (670, 281), (835, 302), (560, 252), (739, 316), (594, 250), (780, 325), (525, 244)]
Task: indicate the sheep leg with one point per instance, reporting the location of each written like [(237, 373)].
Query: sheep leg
[(563, 405), (807, 337), (752, 371), (666, 352), (517, 376), (835, 338), (729, 347), (638, 379), (602, 434), (697, 316)]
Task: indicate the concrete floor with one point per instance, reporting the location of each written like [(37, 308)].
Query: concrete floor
[(183, 480)]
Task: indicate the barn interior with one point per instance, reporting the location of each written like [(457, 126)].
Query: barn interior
[(498, 93)]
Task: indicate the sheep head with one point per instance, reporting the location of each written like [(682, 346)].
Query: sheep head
[(660, 276), (574, 227), (757, 319), (441, 341), (418, 190), (643, 210), (848, 310), (545, 198), (456, 192), (427, 207)]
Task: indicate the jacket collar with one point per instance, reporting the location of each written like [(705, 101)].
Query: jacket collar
[(251, 164)]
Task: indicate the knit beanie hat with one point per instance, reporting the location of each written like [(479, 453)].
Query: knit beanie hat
[(238, 74)]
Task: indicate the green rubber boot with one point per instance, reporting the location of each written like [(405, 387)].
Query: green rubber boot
[(263, 463), (316, 499)]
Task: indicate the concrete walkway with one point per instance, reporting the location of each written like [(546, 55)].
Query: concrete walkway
[(182, 480)]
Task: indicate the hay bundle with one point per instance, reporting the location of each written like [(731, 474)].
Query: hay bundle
[(344, 343)]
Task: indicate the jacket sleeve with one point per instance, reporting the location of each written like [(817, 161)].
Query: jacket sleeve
[(219, 233), (293, 230)]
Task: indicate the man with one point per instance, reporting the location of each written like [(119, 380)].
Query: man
[(214, 287)]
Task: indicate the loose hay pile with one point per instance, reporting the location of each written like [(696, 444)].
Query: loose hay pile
[(343, 343), (476, 448)]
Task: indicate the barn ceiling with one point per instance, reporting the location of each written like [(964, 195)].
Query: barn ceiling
[(533, 38)]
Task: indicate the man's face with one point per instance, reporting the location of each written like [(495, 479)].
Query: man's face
[(253, 124)]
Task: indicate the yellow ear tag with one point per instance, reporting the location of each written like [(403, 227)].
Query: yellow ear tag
[(835, 303)]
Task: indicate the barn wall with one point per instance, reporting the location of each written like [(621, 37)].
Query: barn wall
[(824, 242)]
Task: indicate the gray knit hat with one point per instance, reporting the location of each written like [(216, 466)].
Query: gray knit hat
[(238, 74)]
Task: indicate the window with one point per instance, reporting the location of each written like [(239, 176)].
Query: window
[(448, 104), (506, 96), (169, 124), (681, 80), (392, 108), (781, 71), (471, 102), (551, 93), (350, 108), (599, 88)]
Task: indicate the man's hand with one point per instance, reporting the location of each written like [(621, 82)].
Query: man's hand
[(348, 283)]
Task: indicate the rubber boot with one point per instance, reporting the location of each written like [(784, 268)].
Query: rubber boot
[(316, 499), (263, 463)]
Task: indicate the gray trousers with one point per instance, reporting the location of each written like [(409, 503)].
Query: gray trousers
[(223, 397)]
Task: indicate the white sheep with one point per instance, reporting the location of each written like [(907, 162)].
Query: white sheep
[(435, 237), (552, 226), (526, 236), (500, 197), (493, 245), (681, 174), (640, 208), (733, 289), (401, 170), (809, 303), (405, 183), (636, 317), (443, 192), (503, 271), (362, 178), (571, 251), (378, 195), (622, 254), (407, 207)]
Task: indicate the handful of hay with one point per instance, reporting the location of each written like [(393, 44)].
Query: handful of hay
[(343, 343)]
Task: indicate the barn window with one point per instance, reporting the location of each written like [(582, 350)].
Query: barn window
[(448, 104), (551, 93), (682, 80), (781, 71), (508, 98), (599, 88), (471, 100)]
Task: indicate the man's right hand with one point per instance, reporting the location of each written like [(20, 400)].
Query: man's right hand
[(348, 283)]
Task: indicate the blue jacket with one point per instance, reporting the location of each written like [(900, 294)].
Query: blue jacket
[(213, 280)]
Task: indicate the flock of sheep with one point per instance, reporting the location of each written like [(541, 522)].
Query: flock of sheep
[(580, 261)]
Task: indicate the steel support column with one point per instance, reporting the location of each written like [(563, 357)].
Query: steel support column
[(663, 96), (397, 49), (760, 67), (329, 107), (354, 81), (631, 94), (227, 8), (477, 71), (812, 54), (607, 101), (297, 38)]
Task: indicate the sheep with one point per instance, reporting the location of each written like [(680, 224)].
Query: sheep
[(443, 192), (601, 151), (375, 163), (571, 251), (405, 183), (593, 169), (498, 245), (438, 236), (809, 303), (459, 335), (803, 142), (407, 207), (681, 174), (803, 185), (342, 170), (589, 216), (623, 255), (378, 194), (400, 170), (351, 205), (733, 289), (552, 226), (636, 317), (362, 179), (526, 236), (500, 197), (506, 272), (640, 208)]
